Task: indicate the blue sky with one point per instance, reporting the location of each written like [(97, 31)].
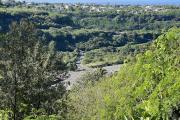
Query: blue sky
[(176, 2)]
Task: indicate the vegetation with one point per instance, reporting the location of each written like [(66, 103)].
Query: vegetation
[(77, 28), (41, 44), (69, 59), (145, 89), (29, 86), (91, 30), (113, 55)]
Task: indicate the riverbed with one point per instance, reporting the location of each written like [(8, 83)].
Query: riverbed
[(75, 76)]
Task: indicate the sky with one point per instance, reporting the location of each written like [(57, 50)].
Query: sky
[(174, 2)]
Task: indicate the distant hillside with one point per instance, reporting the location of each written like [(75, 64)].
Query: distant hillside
[(89, 27)]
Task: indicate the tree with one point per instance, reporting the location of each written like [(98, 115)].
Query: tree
[(29, 84)]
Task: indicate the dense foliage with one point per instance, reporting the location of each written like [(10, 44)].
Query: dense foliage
[(35, 59), (89, 27), (146, 89), (87, 30), (113, 55), (28, 86)]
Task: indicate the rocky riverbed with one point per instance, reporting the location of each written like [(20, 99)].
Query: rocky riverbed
[(74, 76)]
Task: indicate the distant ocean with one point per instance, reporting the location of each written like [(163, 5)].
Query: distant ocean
[(113, 2)]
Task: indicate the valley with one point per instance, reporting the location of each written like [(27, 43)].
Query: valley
[(77, 61)]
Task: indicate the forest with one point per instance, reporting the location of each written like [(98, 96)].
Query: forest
[(43, 46)]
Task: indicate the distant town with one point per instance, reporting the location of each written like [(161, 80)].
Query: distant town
[(62, 7)]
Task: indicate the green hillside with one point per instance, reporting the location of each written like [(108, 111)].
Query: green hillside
[(60, 61), (146, 89), (94, 28)]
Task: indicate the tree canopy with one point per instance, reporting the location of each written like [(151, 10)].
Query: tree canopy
[(29, 86)]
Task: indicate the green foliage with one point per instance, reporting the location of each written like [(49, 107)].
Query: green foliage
[(69, 59), (87, 30), (113, 55), (43, 117), (4, 115), (146, 89), (29, 74), (91, 78)]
